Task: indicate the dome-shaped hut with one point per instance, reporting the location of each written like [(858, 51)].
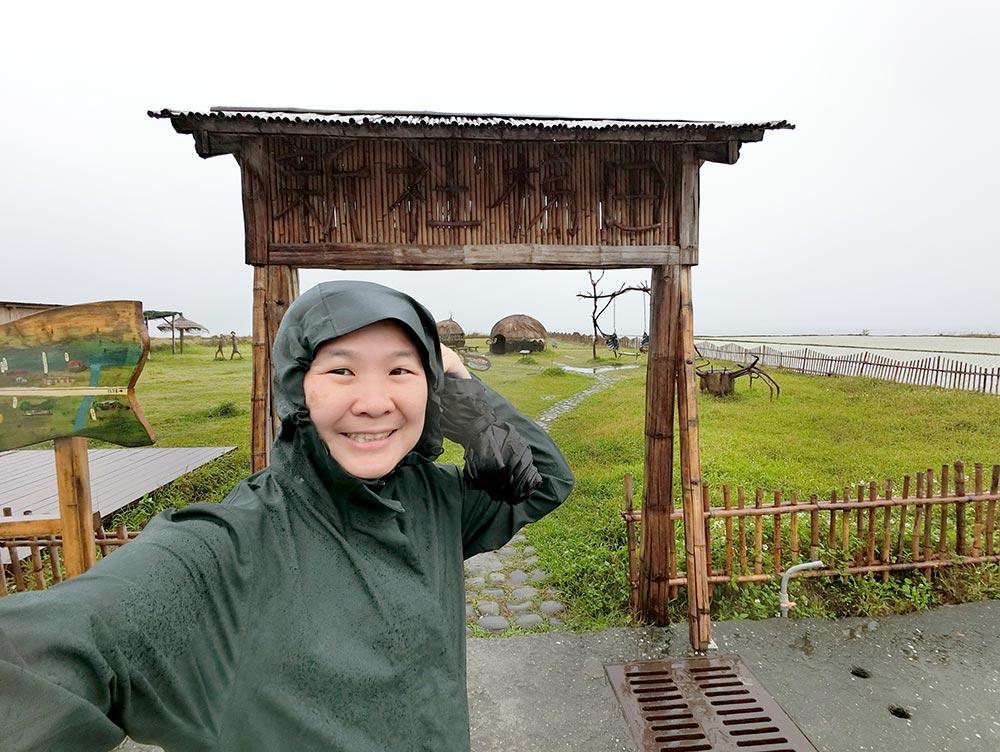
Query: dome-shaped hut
[(516, 333), (451, 333)]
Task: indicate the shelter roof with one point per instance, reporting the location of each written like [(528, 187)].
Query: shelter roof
[(181, 324), (253, 121)]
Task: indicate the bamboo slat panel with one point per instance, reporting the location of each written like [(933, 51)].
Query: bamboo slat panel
[(860, 530), (35, 562), (334, 192)]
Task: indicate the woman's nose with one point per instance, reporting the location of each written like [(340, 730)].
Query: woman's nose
[(373, 400)]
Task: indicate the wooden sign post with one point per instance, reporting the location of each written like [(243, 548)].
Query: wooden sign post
[(66, 374)]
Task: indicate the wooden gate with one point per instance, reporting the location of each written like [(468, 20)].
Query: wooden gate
[(361, 190)]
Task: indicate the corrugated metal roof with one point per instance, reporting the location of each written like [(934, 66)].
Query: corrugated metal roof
[(454, 120), (117, 476)]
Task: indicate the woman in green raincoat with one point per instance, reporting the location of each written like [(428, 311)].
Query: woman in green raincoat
[(321, 605)]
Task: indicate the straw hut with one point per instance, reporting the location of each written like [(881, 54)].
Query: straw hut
[(451, 333), (516, 333)]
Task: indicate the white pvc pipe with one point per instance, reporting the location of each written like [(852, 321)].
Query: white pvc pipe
[(783, 596)]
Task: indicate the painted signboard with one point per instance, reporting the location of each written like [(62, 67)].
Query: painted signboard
[(71, 371)]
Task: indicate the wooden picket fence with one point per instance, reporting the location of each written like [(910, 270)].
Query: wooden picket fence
[(933, 370), (34, 562), (933, 522)]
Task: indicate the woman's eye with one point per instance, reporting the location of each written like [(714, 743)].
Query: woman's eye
[(340, 371), (399, 371)]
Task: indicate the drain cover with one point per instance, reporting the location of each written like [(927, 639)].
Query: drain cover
[(701, 705)]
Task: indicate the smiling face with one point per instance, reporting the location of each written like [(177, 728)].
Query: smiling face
[(367, 396)]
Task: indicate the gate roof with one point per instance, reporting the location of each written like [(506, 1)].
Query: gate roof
[(255, 121)]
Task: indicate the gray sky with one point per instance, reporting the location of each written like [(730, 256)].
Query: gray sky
[(878, 212)]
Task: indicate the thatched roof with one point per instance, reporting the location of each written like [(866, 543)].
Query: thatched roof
[(449, 327), (519, 327), (182, 324)]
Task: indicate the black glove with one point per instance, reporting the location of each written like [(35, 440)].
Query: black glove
[(497, 458)]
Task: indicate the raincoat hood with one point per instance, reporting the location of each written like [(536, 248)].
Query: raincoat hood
[(331, 310)]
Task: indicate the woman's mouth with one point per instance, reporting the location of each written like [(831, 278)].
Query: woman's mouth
[(364, 438)]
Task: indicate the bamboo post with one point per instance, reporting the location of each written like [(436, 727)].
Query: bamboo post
[(758, 533), (977, 530), (73, 481), (845, 524), (960, 508), (695, 545), (742, 526), (813, 529), (274, 289), (902, 518), (727, 504), (870, 538), (860, 526), (943, 531), (55, 559), (633, 582), (991, 510), (886, 529), (918, 515), (831, 531), (793, 530), (656, 560), (928, 494), (776, 534), (20, 585), (706, 508), (260, 397)]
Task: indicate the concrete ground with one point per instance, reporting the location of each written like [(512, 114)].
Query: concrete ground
[(548, 692)]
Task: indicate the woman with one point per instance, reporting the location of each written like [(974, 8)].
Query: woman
[(321, 605)]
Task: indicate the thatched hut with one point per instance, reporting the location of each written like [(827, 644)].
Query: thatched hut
[(451, 333), (516, 333)]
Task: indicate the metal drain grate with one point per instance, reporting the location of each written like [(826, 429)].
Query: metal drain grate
[(701, 705)]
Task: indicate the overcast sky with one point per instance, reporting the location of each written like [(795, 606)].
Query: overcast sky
[(878, 212)]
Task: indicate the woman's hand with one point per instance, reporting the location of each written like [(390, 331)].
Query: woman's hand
[(453, 363)]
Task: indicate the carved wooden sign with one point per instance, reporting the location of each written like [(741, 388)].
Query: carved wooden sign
[(71, 372)]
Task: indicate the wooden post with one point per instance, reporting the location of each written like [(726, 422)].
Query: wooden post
[(657, 501), (274, 289), (699, 611), (73, 482)]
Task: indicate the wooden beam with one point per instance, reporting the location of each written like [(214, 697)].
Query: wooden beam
[(75, 508), (29, 528), (254, 170), (725, 153), (657, 484), (506, 256)]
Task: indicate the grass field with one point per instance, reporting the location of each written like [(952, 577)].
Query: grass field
[(821, 434)]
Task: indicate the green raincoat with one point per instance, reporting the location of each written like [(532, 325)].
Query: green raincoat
[(310, 610)]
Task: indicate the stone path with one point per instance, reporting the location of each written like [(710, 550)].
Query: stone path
[(505, 589)]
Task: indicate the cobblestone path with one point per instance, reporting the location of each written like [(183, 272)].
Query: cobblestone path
[(505, 589)]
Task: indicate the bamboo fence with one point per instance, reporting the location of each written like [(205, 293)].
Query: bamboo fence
[(933, 370), (35, 562), (934, 521)]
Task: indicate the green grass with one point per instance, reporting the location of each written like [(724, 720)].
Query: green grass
[(821, 434)]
